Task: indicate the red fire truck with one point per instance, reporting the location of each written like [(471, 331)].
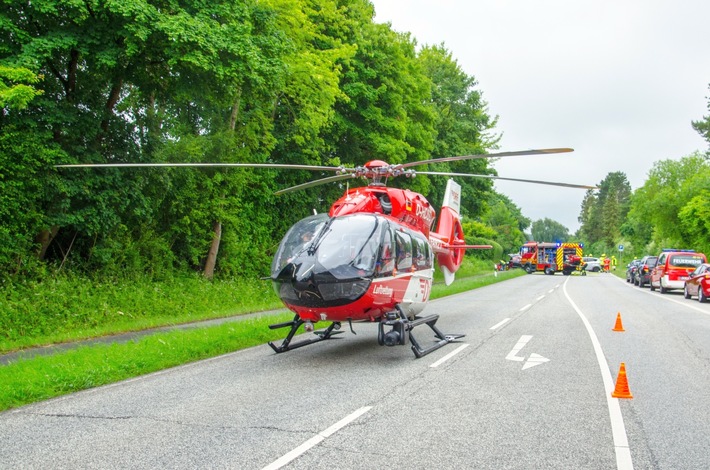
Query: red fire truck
[(551, 257)]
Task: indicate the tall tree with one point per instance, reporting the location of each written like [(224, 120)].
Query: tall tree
[(303, 110), (127, 81), (603, 212), (506, 219), (703, 127), (463, 127), (672, 198), (385, 110), (548, 230)]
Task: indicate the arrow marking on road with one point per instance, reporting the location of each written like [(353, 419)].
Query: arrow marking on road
[(533, 360), (516, 349)]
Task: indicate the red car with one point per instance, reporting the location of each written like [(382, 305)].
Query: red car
[(673, 269), (698, 283)]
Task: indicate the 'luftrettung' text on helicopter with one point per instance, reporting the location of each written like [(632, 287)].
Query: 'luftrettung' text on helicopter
[(371, 257)]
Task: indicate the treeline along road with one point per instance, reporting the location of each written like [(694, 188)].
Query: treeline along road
[(529, 386)]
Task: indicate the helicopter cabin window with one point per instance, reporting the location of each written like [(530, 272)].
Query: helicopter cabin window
[(422, 254), (404, 251), (385, 262)]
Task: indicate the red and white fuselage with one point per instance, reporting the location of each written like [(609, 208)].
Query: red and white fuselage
[(373, 251)]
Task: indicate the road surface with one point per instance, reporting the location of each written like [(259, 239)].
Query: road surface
[(529, 386)]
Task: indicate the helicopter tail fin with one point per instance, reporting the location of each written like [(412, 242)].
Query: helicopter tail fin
[(449, 233), (448, 240)]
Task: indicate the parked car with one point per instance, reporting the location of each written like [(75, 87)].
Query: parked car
[(643, 274), (592, 264), (698, 283), (673, 269), (514, 261), (631, 269)]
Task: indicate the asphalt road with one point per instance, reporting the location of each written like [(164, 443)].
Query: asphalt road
[(528, 387)]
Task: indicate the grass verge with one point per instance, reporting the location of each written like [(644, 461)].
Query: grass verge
[(30, 380)]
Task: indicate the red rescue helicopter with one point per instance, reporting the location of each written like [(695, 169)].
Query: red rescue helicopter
[(371, 257)]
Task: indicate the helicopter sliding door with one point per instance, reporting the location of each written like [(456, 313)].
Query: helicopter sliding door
[(404, 269)]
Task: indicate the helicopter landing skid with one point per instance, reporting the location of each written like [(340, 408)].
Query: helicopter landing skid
[(295, 324), (402, 325)]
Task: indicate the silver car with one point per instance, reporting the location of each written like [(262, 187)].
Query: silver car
[(593, 264)]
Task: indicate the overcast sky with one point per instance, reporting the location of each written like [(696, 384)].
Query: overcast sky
[(619, 81)]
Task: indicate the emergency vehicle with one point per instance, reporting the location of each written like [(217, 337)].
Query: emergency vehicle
[(673, 268), (551, 257)]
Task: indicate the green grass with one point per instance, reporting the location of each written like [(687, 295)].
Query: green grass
[(473, 282), (44, 377), (71, 308), (29, 380)]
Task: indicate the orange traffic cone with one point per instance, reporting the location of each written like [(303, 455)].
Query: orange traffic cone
[(622, 385), (618, 326)]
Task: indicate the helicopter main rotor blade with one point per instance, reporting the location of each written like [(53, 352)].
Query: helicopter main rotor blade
[(550, 183), (168, 165), (310, 184), (487, 155)]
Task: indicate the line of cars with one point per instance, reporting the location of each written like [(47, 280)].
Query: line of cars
[(685, 270)]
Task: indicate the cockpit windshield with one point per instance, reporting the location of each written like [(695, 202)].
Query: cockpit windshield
[(348, 247), (297, 240), (343, 247)]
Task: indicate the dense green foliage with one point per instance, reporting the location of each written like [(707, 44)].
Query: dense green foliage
[(71, 307), (670, 210), (703, 127), (605, 211), (282, 81), (549, 230)]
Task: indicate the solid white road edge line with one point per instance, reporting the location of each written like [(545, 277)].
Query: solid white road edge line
[(683, 302), (450, 355), (317, 439), (618, 430)]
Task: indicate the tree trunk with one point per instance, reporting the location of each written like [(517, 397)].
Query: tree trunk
[(234, 116), (111, 102), (44, 238), (214, 249)]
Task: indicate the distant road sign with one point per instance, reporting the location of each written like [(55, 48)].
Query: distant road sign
[(621, 247)]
